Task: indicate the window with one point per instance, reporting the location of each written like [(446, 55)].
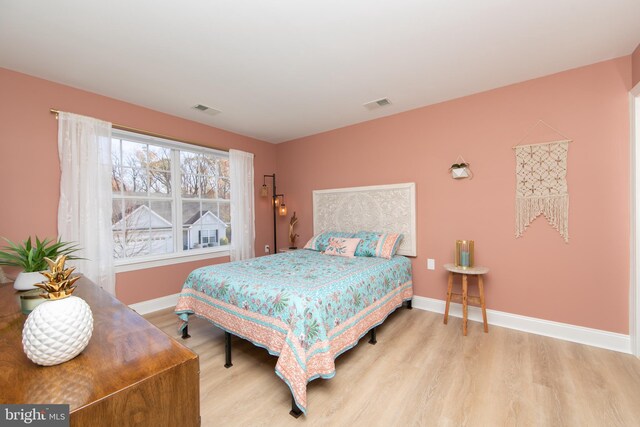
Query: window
[(208, 237), (170, 199)]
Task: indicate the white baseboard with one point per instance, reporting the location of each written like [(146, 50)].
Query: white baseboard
[(564, 331), (146, 307)]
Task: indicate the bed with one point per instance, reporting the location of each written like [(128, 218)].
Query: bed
[(303, 306)]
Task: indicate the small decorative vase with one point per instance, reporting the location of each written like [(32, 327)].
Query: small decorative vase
[(459, 173), (464, 253), (26, 281), (57, 331)]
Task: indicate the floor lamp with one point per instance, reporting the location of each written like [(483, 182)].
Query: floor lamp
[(277, 202)]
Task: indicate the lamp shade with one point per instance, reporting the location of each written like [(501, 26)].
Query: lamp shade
[(282, 210), (264, 191), (276, 201)]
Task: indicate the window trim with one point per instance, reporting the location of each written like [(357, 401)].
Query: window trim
[(193, 255), (179, 256)]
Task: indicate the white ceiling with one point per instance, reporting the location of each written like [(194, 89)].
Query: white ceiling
[(282, 69)]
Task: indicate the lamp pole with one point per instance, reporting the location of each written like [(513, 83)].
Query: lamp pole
[(275, 208)]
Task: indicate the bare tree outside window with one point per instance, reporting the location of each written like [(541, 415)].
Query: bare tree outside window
[(144, 218)]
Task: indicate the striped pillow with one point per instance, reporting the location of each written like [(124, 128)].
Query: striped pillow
[(373, 244)]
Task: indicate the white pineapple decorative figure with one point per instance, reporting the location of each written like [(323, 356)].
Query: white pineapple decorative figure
[(58, 329)]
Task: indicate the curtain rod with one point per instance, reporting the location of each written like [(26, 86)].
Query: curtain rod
[(157, 135)]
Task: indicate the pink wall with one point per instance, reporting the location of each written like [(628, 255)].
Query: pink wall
[(635, 67), (584, 282), (30, 173)]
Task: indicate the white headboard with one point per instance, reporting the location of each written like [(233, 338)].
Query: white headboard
[(383, 208)]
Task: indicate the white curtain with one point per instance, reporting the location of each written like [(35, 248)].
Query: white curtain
[(84, 211), (243, 228)]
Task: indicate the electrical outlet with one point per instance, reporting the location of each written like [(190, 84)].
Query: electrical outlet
[(267, 249), (431, 264)]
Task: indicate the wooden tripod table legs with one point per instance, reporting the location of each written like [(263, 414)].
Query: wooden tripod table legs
[(464, 305), (482, 305), (465, 299), (449, 287)]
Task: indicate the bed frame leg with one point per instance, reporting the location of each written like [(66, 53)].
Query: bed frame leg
[(409, 304), (295, 411), (185, 332), (227, 350), (373, 339)]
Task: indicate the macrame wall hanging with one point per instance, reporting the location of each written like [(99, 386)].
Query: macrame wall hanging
[(541, 183)]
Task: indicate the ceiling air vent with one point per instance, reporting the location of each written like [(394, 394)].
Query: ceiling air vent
[(206, 109), (378, 103)]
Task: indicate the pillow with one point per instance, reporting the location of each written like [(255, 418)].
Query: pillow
[(341, 246), (383, 245), (367, 246), (320, 241), (388, 245)]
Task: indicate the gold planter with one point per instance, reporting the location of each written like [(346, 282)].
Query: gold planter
[(29, 300)]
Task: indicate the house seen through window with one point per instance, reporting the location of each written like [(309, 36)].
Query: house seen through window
[(169, 198)]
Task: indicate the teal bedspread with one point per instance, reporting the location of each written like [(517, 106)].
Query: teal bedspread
[(303, 306)]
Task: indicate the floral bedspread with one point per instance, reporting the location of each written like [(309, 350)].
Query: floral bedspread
[(303, 306)]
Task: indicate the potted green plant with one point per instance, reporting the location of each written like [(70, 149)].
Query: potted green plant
[(31, 258)]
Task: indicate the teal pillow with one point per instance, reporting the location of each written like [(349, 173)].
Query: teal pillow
[(368, 243), (374, 244), (319, 242)]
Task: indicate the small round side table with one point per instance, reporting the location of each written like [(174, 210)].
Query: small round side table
[(477, 271)]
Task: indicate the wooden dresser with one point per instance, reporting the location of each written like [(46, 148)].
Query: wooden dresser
[(130, 374)]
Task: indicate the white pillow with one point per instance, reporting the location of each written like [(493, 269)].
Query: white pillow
[(341, 246)]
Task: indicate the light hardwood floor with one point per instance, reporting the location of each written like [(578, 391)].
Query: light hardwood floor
[(423, 373)]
